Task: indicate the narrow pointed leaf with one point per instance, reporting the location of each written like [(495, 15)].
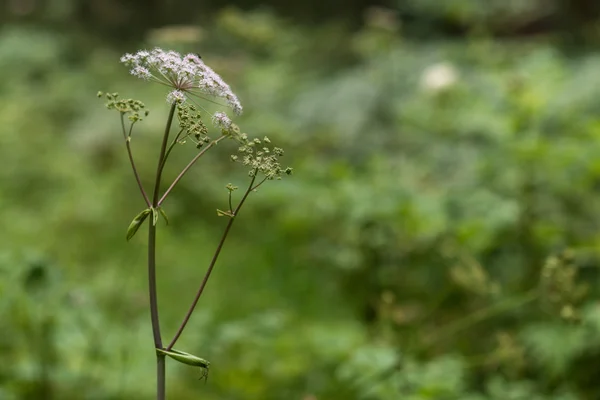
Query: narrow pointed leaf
[(136, 223), (185, 358), (154, 216), (222, 213), (164, 214)]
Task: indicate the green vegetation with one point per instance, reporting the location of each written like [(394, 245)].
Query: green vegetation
[(438, 240)]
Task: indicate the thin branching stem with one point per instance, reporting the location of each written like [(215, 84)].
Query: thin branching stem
[(129, 153), (170, 148), (187, 167), (212, 264), (260, 183)]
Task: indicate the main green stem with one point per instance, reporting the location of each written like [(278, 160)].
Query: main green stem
[(160, 358)]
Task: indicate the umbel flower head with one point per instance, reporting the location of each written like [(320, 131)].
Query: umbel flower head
[(187, 75)]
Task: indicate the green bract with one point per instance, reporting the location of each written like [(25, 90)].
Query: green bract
[(137, 222), (187, 358)]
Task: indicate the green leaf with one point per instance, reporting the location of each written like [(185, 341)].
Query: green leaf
[(188, 359), (222, 213), (137, 222), (162, 212), (154, 216), (185, 358)]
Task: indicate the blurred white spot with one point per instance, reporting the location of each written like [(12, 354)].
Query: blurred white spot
[(438, 77)]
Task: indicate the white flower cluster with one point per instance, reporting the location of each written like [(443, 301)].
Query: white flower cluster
[(187, 75), (221, 120)]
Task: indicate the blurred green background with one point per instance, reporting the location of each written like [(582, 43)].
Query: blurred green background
[(439, 239)]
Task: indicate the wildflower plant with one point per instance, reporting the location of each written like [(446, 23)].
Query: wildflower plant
[(188, 79)]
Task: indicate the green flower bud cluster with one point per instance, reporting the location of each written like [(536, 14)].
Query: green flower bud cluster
[(190, 121), (261, 157), (125, 106)]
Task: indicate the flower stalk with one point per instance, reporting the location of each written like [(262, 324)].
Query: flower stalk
[(211, 265)]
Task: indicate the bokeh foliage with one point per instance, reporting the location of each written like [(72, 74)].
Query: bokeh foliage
[(439, 239)]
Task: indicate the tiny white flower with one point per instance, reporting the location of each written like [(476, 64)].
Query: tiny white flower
[(221, 120), (176, 96), (141, 73)]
